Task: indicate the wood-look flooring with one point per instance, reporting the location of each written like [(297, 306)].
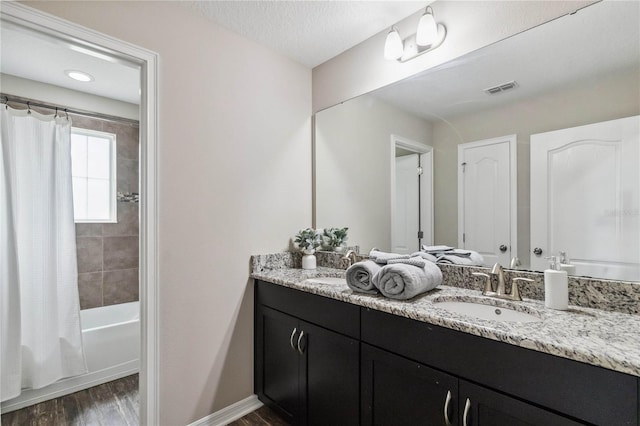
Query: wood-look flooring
[(263, 416), (110, 404)]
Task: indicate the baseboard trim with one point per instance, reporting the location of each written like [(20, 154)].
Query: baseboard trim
[(230, 413)]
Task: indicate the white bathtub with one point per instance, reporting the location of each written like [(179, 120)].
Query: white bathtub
[(111, 340)]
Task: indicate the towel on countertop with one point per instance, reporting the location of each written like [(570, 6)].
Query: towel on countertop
[(383, 257), (462, 257), (402, 281), (360, 276), (425, 256), (436, 249), (413, 260)]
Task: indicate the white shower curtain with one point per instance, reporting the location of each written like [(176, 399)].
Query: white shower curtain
[(39, 307)]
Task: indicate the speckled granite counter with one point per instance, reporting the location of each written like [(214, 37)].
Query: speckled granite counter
[(606, 339)]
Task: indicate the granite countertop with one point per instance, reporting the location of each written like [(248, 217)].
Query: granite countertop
[(602, 338)]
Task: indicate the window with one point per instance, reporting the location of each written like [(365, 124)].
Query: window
[(93, 169)]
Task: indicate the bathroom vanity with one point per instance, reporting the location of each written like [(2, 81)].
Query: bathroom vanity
[(337, 357)]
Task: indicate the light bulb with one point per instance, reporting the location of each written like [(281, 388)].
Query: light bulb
[(79, 75), (427, 32), (393, 47)]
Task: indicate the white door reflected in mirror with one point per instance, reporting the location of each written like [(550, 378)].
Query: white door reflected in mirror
[(587, 178)]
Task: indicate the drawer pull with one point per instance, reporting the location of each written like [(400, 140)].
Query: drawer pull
[(447, 401), (465, 416), (293, 334), (300, 350)]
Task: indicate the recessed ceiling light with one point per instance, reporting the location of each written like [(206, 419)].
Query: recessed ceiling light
[(79, 76)]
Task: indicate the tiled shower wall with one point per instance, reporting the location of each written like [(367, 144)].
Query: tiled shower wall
[(108, 252)]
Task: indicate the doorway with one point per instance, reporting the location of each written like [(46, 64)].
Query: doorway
[(411, 195), (100, 45), (487, 198)]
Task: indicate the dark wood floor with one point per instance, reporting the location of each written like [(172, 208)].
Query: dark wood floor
[(263, 416), (110, 404)]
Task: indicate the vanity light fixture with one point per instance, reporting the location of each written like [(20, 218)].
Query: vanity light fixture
[(393, 48), (79, 76), (429, 35), (427, 31)]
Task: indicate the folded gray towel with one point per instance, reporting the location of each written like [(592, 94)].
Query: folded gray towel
[(383, 257), (436, 249), (401, 281), (415, 261), (426, 256), (359, 276), (462, 257)]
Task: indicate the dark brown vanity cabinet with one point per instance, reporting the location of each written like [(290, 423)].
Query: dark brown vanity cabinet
[(309, 373), (400, 392), (320, 361), (505, 384), (397, 391)]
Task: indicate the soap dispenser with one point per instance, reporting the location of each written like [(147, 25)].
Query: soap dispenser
[(565, 264), (556, 286)]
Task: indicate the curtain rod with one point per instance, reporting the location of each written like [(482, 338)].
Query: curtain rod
[(6, 99)]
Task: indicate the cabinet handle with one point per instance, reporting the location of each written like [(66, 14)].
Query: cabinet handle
[(293, 334), (465, 416), (447, 401), (300, 351)]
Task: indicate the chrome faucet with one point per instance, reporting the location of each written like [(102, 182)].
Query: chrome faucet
[(349, 258), (500, 291), (497, 270)]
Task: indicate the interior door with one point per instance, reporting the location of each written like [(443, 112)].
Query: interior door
[(404, 233), (487, 198), (587, 178)]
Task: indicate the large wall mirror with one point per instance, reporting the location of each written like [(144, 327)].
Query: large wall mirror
[(473, 150)]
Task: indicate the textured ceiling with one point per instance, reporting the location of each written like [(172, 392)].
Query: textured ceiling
[(309, 32)]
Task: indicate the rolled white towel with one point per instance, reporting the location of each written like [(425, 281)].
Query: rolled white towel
[(462, 257), (403, 281), (383, 257), (359, 276)]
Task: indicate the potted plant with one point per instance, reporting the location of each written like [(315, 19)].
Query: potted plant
[(334, 238), (308, 240)]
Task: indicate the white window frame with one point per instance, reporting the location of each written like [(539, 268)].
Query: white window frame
[(113, 178)]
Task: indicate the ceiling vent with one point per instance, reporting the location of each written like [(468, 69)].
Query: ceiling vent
[(501, 88)]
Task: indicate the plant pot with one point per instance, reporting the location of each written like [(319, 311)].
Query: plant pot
[(308, 259)]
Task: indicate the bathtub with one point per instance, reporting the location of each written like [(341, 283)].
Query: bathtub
[(111, 341)]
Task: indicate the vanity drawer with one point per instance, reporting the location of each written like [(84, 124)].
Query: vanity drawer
[(592, 394), (332, 314)]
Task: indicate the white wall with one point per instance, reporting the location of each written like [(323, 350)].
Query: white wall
[(353, 158), (470, 26), (616, 96), (47, 93), (234, 180)]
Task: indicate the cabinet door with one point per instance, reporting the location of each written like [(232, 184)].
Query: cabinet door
[(397, 391), (329, 377), (482, 407), (277, 361)]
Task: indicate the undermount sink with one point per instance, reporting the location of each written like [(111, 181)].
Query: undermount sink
[(327, 280), (487, 311)]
